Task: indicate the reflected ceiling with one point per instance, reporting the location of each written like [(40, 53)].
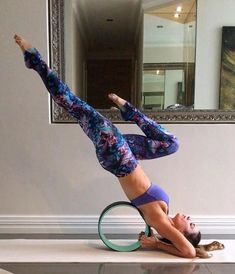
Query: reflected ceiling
[(106, 24)]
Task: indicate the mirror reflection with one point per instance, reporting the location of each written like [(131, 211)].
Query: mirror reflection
[(169, 54), (142, 50)]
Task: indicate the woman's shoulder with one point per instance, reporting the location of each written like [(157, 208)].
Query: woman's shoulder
[(155, 213)]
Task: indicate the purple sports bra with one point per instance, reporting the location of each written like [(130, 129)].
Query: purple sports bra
[(153, 193)]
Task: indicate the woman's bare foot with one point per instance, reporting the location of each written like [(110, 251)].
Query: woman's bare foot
[(212, 246), (117, 100), (23, 44)]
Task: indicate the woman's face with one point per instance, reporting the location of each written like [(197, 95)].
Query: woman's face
[(184, 223)]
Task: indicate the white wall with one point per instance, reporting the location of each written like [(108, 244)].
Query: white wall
[(163, 54), (50, 172), (166, 44)]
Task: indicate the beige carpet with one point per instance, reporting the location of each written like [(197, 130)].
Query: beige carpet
[(25, 250)]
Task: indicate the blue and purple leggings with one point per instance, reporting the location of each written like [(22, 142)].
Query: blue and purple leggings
[(118, 153)]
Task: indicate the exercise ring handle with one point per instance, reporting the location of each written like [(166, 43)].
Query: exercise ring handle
[(107, 242)]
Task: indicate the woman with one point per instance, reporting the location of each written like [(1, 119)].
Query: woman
[(119, 154)]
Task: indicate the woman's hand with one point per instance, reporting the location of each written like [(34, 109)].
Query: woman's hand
[(147, 242)]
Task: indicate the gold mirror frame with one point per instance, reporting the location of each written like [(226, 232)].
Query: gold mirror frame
[(59, 115)]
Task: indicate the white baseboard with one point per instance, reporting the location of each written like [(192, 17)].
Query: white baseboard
[(89, 224)]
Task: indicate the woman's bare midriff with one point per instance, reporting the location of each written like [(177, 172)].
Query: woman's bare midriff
[(134, 185)]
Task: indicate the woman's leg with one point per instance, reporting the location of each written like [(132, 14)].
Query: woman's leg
[(112, 149), (157, 142)]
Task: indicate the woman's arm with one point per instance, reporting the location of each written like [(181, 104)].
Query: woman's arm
[(153, 242), (180, 244), (174, 251)]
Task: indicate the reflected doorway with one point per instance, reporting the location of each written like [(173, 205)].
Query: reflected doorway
[(104, 76)]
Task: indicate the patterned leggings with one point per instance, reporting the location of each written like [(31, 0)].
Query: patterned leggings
[(116, 152)]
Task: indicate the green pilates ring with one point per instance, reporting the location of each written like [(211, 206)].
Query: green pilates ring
[(106, 241)]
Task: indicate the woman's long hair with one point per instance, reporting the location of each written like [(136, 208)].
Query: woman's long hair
[(193, 238)]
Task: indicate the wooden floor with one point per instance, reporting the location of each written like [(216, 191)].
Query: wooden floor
[(116, 268)]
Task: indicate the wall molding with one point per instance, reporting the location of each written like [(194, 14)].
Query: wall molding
[(87, 224)]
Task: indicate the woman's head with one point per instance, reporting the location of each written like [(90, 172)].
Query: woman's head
[(185, 225), (193, 238)]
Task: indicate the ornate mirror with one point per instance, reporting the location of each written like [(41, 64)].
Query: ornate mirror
[(142, 50)]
